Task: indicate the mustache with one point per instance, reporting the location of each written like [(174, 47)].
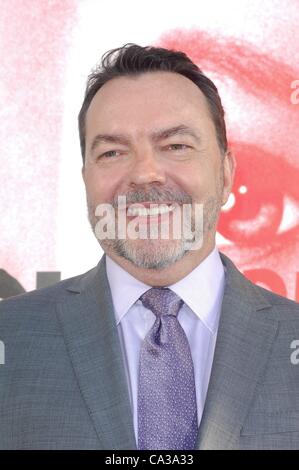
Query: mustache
[(155, 195)]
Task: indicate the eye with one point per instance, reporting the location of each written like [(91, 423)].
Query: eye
[(110, 154), (263, 208), (177, 147)]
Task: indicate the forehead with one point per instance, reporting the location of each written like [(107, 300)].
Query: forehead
[(146, 98)]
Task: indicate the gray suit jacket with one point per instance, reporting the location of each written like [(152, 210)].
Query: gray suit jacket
[(63, 384)]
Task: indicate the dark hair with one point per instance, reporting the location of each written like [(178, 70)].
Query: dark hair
[(131, 60)]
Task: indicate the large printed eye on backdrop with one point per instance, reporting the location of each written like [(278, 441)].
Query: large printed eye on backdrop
[(251, 51)]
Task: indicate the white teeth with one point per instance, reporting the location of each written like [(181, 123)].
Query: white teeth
[(142, 211)]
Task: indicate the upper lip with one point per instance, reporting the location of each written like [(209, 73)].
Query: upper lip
[(148, 204)]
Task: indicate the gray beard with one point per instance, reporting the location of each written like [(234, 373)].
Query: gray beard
[(159, 253)]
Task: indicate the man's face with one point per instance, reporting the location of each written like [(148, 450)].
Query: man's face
[(151, 138)]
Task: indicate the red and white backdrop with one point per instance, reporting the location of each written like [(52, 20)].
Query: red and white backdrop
[(249, 48)]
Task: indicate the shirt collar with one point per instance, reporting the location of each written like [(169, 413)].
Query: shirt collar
[(201, 290)]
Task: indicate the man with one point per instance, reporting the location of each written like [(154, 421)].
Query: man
[(165, 344)]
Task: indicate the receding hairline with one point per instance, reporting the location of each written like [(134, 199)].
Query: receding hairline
[(133, 61), (139, 75)]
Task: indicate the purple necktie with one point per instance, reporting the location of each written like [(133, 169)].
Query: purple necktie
[(167, 414)]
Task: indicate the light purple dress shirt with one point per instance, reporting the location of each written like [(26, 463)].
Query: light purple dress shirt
[(202, 293)]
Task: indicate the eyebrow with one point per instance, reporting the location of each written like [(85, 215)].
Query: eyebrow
[(156, 136), (108, 138), (172, 131)]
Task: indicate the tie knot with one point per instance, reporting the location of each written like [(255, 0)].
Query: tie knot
[(161, 301)]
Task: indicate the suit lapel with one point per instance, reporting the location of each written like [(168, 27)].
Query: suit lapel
[(244, 340), (91, 336)]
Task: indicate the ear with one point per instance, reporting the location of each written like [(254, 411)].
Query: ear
[(229, 168), (83, 173)]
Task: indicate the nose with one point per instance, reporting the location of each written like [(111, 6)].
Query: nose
[(146, 168)]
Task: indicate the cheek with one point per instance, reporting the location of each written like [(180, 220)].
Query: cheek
[(99, 187), (198, 181), (191, 184)]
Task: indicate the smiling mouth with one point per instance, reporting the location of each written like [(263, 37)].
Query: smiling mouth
[(150, 210)]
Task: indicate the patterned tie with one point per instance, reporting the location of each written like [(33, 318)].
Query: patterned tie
[(167, 414)]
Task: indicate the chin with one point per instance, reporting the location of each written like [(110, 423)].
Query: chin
[(151, 254)]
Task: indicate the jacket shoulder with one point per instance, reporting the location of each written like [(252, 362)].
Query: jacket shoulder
[(285, 307), (36, 309), (269, 303)]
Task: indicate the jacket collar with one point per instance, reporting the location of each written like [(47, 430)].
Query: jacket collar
[(245, 336)]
